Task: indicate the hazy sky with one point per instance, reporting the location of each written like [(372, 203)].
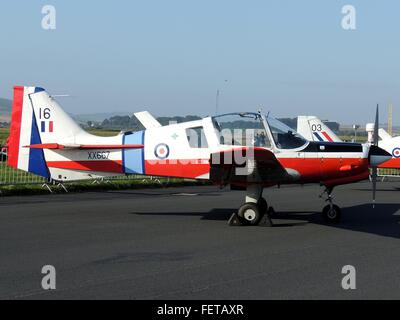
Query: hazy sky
[(170, 57)]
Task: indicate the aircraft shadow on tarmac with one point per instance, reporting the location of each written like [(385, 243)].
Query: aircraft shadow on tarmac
[(166, 194), (381, 220), (379, 190)]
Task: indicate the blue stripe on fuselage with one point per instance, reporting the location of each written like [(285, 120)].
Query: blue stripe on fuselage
[(133, 159)]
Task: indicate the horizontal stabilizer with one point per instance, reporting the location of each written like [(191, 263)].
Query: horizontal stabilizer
[(56, 146)]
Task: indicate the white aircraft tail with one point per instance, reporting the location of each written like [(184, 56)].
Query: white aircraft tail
[(313, 129), (37, 120)]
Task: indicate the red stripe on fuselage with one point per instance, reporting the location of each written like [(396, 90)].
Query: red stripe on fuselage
[(15, 130), (89, 165), (327, 169), (84, 146), (188, 168), (312, 170)]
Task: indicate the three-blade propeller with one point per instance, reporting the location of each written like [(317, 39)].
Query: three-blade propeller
[(375, 142)]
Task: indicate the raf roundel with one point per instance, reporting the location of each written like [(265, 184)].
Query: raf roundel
[(396, 152), (161, 151)]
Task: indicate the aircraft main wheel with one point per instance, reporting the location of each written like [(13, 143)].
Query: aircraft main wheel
[(262, 205), (250, 213), (332, 214)]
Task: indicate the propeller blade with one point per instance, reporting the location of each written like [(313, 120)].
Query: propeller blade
[(374, 177), (375, 168), (376, 127)]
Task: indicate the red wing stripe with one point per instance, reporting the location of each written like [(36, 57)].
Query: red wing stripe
[(85, 146), (110, 146), (45, 146)]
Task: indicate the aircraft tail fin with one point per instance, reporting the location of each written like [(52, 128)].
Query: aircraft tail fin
[(313, 129), (36, 119)]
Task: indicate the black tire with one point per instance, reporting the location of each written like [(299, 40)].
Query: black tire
[(250, 213), (333, 214), (262, 205)]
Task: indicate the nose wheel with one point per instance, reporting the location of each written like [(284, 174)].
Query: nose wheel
[(331, 212)]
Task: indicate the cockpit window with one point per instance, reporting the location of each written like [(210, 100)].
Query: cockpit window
[(241, 129), (247, 129), (284, 136)]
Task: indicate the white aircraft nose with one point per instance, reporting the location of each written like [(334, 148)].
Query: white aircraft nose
[(378, 156)]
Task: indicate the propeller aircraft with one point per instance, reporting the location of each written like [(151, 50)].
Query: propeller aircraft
[(246, 150)]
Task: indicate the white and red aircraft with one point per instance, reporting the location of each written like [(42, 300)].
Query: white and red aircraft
[(314, 129), (245, 150), (388, 143)]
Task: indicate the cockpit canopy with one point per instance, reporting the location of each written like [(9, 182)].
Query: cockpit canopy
[(252, 129)]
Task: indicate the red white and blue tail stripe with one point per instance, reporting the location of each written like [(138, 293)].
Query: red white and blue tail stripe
[(24, 131), (46, 141), (322, 136)]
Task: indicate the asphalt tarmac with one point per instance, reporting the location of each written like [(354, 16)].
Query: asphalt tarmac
[(175, 243)]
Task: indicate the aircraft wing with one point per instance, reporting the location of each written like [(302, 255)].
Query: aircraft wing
[(56, 146), (147, 120), (243, 166)]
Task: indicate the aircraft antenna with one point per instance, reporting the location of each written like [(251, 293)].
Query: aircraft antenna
[(390, 119), (61, 96), (217, 98), (217, 102)]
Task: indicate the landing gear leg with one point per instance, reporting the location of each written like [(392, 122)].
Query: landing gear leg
[(331, 212), (254, 210)]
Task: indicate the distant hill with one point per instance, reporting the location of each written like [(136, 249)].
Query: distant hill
[(120, 122), (131, 123), (5, 110), (98, 117)]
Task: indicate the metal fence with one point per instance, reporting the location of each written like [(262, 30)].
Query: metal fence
[(10, 176), (389, 173)]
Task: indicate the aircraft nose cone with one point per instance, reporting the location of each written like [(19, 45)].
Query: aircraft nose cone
[(378, 156)]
